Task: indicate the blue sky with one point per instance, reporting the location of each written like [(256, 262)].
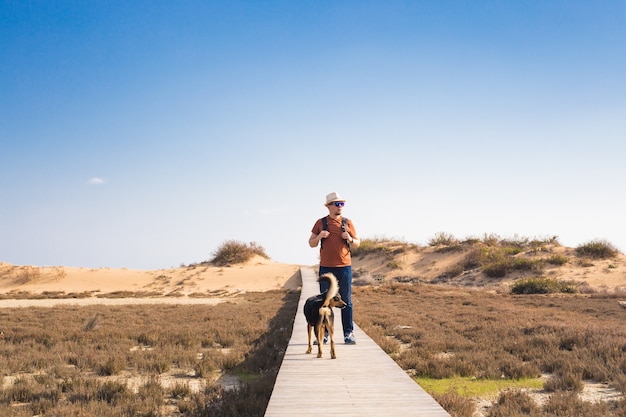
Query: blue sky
[(145, 134)]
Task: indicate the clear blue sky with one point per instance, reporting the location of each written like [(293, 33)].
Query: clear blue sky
[(143, 134)]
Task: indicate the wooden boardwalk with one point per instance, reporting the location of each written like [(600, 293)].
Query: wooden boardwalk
[(363, 381)]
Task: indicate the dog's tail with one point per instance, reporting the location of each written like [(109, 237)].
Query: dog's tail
[(332, 290)]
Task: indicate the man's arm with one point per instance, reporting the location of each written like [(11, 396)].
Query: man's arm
[(314, 240)]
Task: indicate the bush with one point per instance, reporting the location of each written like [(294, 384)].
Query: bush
[(455, 404), (112, 391), (443, 239), (525, 264), (180, 391), (368, 246), (557, 260), (542, 286), (497, 269), (597, 249), (233, 252), (514, 403), (564, 381), (112, 366), (568, 404), (494, 261)]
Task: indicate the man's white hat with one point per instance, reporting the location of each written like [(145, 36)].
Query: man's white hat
[(332, 197)]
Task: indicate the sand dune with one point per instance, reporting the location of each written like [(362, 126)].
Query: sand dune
[(187, 284), (172, 285)]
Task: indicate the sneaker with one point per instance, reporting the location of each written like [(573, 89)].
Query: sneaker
[(325, 340), (349, 339)]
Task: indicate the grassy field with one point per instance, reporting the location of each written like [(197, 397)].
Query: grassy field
[(166, 360), (156, 360), (462, 345), (531, 351)]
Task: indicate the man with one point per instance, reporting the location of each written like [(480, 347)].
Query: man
[(336, 235)]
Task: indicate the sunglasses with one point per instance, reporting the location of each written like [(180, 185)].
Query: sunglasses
[(338, 204)]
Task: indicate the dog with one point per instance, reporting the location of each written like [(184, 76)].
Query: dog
[(318, 311)]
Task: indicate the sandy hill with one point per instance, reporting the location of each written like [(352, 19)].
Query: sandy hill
[(259, 274), (456, 265), (376, 261)]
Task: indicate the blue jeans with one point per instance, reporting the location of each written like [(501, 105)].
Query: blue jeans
[(344, 277)]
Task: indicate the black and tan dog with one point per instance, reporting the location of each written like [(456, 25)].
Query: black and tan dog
[(318, 311)]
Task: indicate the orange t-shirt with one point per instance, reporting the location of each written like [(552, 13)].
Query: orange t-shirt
[(334, 250)]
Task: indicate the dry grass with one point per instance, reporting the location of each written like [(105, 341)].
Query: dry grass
[(103, 361), (440, 333), (165, 360), (100, 361)]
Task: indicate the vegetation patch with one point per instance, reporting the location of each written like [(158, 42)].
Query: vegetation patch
[(543, 286), (464, 344), (445, 242), (597, 249), (369, 246), (234, 252), (557, 260), (471, 387), (79, 360)]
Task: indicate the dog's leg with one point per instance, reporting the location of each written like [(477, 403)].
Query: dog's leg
[(319, 331), (309, 330), (331, 332)]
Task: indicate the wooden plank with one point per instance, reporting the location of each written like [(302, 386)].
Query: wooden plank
[(363, 381)]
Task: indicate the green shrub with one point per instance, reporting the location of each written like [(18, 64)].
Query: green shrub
[(557, 260), (497, 269), (494, 260), (233, 252), (368, 246), (511, 250), (498, 261), (542, 286), (443, 239), (526, 264), (597, 249)]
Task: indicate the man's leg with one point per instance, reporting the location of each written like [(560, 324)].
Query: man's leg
[(344, 276)]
